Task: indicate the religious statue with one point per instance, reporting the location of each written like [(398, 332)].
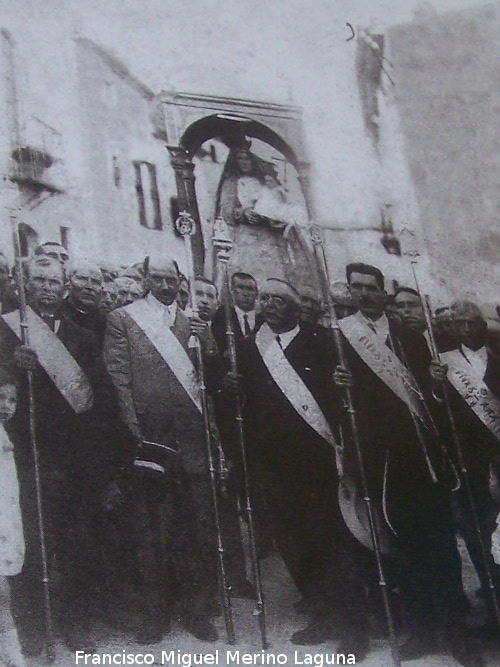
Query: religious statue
[(269, 229)]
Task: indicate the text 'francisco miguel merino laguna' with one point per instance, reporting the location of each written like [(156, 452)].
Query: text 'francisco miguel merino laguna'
[(237, 657)]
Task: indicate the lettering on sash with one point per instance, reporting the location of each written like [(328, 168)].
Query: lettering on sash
[(474, 391), (169, 348), (55, 359), (291, 384), (385, 364)]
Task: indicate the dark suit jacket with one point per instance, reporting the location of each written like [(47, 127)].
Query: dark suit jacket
[(219, 328), (389, 440), (280, 436)]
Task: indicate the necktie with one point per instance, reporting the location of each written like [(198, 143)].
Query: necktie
[(248, 330), (278, 340)]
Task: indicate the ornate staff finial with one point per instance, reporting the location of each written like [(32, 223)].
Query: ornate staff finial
[(185, 224)]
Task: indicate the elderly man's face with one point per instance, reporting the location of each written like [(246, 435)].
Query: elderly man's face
[(45, 286), (85, 286), (279, 306), (470, 330), (163, 282), (310, 306), (206, 300), (108, 299), (128, 291)]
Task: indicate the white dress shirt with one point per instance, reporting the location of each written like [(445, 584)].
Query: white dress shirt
[(287, 337), (241, 318), (379, 327), (164, 314)]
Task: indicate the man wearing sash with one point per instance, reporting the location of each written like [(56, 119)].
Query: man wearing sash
[(473, 370), (291, 409), (63, 361), (147, 355), (409, 476)]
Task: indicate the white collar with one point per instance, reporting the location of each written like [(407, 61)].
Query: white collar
[(287, 337), (241, 314), (169, 313), (158, 305), (381, 326)]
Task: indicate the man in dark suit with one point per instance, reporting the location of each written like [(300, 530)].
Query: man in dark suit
[(72, 413), (146, 353), (246, 320), (82, 303), (477, 363), (408, 472), (292, 408)]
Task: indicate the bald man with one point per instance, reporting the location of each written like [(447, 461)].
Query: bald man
[(292, 410), (146, 353)]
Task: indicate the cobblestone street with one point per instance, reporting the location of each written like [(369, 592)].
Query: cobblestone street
[(282, 621)]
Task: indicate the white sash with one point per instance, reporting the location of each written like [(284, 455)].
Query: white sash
[(291, 385), (169, 347), (473, 390), (384, 363), (55, 359), (11, 526)]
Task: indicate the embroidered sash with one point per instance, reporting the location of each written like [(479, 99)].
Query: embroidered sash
[(55, 359), (385, 364), (169, 347), (11, 526), (291, 384), (473, 390)]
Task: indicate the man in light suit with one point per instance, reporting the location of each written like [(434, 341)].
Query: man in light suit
[(146, 353)]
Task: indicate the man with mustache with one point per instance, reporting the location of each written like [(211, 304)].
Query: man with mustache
[(409, 475), (291, 412)]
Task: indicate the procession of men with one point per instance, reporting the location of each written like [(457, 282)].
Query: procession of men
[(364, 454)]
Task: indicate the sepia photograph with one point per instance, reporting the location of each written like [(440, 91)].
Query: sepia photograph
[(250, 332)]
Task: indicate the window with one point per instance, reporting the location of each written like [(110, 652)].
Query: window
[(148, 198)]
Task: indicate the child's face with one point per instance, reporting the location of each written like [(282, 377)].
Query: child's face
[(8, 402)]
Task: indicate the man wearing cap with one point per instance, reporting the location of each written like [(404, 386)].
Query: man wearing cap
[(292, 408), (85, 281), (147, 355)]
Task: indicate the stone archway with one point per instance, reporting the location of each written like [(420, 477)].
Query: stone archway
[(186, 121)]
